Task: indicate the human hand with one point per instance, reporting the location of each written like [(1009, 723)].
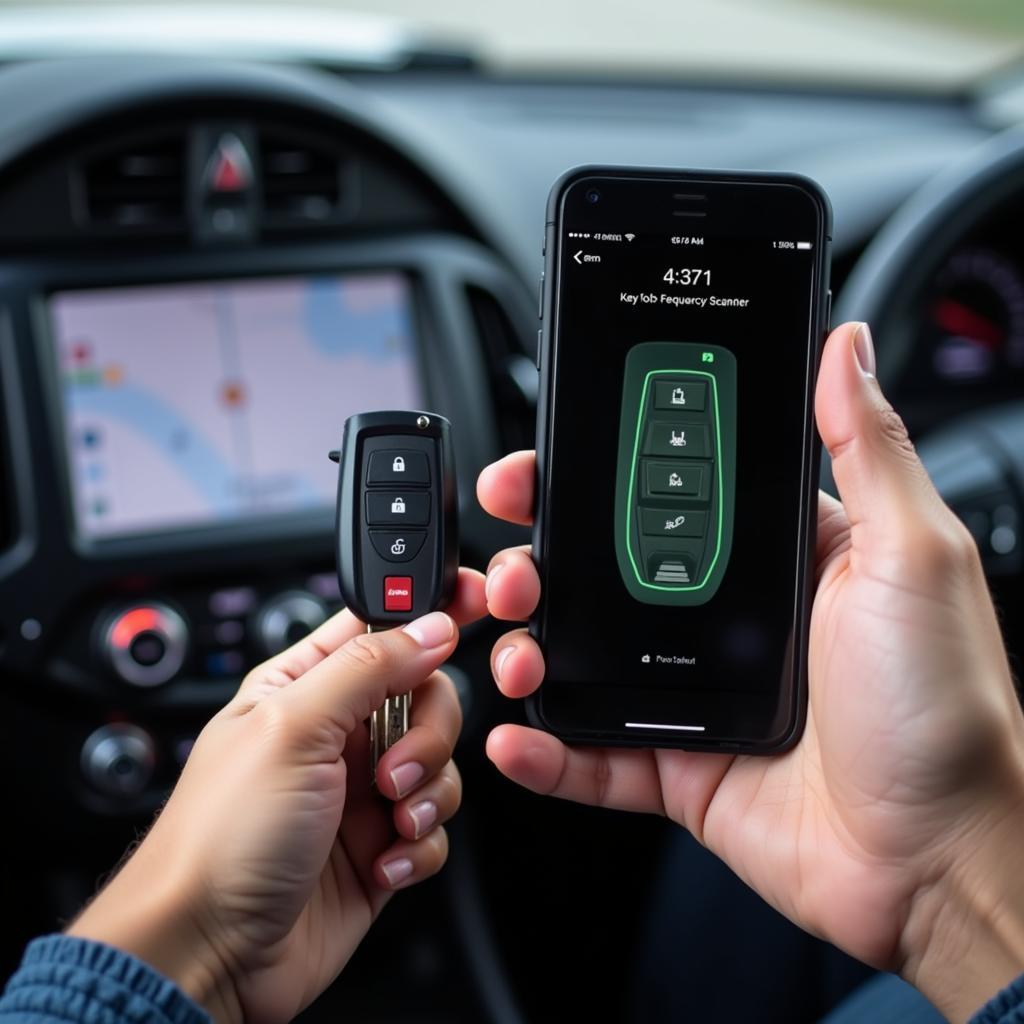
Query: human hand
[(273, 855), (894, 828)]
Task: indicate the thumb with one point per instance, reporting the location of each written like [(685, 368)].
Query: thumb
[(888, 496), (330, 700)]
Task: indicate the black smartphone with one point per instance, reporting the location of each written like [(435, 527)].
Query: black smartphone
[(683, 318)]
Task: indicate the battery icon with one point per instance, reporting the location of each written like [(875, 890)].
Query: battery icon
[(803, 245)]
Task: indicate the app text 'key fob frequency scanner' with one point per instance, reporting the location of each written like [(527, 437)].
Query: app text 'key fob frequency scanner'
[(675, 477), (397, 527)]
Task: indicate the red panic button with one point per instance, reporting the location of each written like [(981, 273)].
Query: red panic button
[(398, 593)]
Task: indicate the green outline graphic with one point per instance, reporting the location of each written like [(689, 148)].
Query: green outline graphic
[(640, 422), (636, 551)]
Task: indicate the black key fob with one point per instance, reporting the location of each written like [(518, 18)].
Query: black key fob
[(397, 525)]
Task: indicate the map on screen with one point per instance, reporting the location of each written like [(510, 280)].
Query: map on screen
[(191, 404)]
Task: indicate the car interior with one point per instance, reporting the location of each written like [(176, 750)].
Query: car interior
[(225, 229)]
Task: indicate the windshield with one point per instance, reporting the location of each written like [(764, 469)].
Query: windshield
[(929, 43), (919, 44)]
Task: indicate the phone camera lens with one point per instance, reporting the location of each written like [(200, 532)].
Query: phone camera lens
[(593, 196)]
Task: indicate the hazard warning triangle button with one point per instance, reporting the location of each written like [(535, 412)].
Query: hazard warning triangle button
[(229, 168)]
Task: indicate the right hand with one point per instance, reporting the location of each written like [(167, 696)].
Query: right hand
[(894, 828)]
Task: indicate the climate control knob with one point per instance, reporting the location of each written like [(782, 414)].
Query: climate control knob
[(288, 617), (146, 644), (118, 759)]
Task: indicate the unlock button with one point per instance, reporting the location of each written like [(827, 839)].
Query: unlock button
[(397, 508), (397, 547)]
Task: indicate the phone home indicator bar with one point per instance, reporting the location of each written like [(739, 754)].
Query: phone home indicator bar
[(662, 725)]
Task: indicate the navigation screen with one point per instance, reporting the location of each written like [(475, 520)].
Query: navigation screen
[(191, 404)]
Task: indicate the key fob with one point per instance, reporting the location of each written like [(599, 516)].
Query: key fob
[(397, 525)]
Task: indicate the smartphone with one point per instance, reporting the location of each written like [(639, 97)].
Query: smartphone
[(683, 316)]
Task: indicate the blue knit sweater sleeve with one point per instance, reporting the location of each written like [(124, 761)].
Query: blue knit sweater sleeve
[(65, 980), (1006, 1007)]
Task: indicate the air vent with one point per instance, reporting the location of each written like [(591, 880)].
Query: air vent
[(139, 186), (304, 180)]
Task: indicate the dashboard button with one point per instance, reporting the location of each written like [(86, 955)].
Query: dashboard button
[(148, 649), (146, 644), (398, 466), (225, 663), (287, 617), (393, 508), (118, 760), (397, 547), (680, 395)]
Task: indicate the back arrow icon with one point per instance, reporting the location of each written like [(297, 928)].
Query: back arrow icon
[(577, 257)]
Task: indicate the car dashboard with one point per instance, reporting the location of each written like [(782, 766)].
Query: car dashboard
[(164, 224)]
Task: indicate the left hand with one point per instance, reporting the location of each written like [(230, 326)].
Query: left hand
[(274, 855)]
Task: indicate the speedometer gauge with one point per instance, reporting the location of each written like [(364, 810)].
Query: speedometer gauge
[(976, 316)]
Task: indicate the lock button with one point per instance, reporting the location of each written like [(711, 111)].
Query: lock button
[(398, 468), (393, 508)]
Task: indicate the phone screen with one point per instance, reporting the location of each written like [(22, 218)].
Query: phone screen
[(677, 474)]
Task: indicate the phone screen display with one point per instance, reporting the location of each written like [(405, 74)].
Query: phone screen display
[(677, 472)]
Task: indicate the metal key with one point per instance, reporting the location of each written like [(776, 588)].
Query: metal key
[(397, 531)]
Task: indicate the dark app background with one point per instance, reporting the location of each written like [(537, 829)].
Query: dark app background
[(593, 631)]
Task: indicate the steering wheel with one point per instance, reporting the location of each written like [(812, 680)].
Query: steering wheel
[(976, 460)]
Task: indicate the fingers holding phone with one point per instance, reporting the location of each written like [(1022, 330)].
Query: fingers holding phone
[(506, 490)]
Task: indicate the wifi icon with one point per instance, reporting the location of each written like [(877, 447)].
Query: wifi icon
[(629, 238)]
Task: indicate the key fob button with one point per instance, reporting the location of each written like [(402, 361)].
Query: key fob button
[(397, 508), (669, 522), (680, 395), (675, 478), (398, 468), (678, 439), (397, 593), (397, 547)]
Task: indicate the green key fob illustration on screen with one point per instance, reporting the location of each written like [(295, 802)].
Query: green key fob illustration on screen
[(675, 478)]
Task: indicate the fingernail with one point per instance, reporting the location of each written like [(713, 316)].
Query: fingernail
[(431, 630), (492, 575), (864, 350), (423, 815), (500, 658), (405, 776), (397, 870)]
